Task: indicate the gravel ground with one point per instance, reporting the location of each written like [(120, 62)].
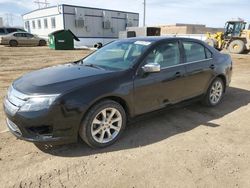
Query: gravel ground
[(192, 146)]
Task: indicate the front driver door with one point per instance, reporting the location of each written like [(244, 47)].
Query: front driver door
[(153, 91)]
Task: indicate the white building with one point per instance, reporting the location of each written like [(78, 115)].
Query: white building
[(1, 22), (90, 25)]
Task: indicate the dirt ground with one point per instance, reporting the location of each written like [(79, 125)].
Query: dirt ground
[(192, 146)]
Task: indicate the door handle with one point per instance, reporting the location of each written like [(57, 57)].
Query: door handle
[(176, 75), (212, 66)]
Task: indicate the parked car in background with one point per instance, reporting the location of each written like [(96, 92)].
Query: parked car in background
[(8, 30), (96, 96), (22, 39)]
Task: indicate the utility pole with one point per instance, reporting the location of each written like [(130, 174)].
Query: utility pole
[(144, 14)]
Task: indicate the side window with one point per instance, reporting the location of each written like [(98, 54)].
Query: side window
[(29, 35), (167, 54), (53, 22), (23, 34), (18, 34), (194, 51), (208, 53)]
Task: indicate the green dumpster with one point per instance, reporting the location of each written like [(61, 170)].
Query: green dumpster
[(62, 40)]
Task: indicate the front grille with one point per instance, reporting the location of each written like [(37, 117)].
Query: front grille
[(13, 127)]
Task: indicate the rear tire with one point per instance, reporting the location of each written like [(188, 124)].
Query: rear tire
[(236, 47), (214, 93), (13, 43), (42, 43), (103, 124)]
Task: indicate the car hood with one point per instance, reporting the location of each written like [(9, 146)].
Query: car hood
[(59, 79)]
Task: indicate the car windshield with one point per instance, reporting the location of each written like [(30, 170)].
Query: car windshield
[(119, 55)]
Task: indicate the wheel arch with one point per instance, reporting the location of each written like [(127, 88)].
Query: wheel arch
[(117, 99), (224, 79)]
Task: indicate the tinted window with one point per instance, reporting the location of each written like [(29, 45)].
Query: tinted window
[(53, 22), (2, 31), (18, 34), (166, 55), (29, 35), (11, 30), (208, 53), (194, 51)]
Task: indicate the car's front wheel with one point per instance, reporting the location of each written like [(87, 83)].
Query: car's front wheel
[(13, 43), (103, 124), (214, 93)]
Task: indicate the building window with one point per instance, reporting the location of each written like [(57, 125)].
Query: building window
[(27, 25), (33, 24), (45, 23), (39, 24), (53, 22)]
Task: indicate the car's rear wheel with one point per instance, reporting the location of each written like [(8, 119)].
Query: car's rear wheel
[(103, 124), (13, 43), (214, 93), (42, 43)]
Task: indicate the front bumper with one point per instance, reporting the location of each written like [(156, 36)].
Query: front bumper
[(56, 124)]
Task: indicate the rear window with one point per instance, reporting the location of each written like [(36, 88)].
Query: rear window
[(194, 51)]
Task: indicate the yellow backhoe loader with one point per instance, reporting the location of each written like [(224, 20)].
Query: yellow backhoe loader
[(236, 37)]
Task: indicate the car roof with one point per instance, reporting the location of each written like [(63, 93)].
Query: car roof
[(159, 38), (20, 32), (11, 28)]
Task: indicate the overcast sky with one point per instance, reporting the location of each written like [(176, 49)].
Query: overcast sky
[(210, 12)]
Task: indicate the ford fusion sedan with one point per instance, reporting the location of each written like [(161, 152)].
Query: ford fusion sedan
[(95, 97), (21, 39)]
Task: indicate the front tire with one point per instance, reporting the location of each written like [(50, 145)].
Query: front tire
[(214, 93), (103, 124), (13, 43)]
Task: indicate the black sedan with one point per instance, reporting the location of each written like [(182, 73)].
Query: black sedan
[(96, 96)]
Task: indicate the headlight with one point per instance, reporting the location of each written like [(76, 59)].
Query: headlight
[(38, 103)]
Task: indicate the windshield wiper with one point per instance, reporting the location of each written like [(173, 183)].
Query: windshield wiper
[(93, 65)]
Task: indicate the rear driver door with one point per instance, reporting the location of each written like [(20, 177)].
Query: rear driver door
[(199, 65)]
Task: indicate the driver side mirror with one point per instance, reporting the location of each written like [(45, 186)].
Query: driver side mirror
[(151, 67)]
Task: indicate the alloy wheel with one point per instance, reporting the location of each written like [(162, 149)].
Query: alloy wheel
[(106, 125), (216, 92)]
